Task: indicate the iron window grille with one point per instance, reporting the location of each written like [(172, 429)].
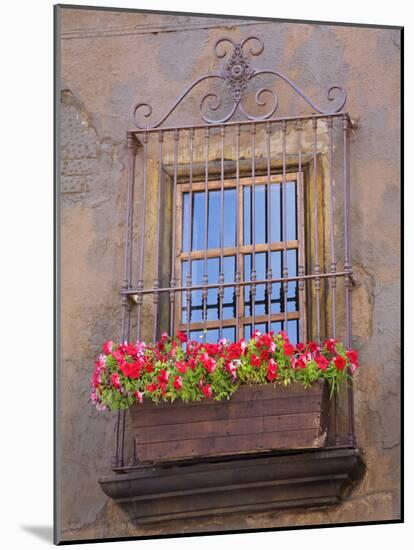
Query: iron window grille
[(235, 224)]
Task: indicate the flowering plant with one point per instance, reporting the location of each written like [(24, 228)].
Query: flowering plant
[(166, 370)]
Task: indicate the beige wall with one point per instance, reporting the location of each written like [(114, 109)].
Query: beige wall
[(111, 60)]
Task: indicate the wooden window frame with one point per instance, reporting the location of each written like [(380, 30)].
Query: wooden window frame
[(298, 244)]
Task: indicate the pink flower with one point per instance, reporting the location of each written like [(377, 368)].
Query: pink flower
[(115, 381), (118, 355), (178, 383), (139, 395), (101, 361), (107, 347), (232, 367), (208, 362), (284, 335)]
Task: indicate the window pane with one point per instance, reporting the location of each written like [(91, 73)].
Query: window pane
[(214, 204), (230, 205), (229, 298), (261, 295), (199, 208), (277, 293), (186, 213), (291, 211), (213, 270), (292, 294), (261, 211), (276, 214), (262, 327), (292, 329)]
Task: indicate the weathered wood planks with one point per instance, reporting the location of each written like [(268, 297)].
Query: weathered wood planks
[(255, 419)]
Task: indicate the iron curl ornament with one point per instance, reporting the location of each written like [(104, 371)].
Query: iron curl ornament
[(237, 73)]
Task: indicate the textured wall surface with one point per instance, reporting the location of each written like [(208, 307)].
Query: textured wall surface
[(111, 60)]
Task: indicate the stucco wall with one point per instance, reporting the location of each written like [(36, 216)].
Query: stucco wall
[(110, 60)]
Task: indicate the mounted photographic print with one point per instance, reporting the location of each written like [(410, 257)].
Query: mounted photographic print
[(228, 227)]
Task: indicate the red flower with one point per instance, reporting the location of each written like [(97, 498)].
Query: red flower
[(271, 370), (208, 362), (313, 346), (148, 367), (352, 356), (107, 347), (255, 361), (353, 360), (300, 347), (131, 349), (118, 355), (264, 355), (181, 366), (301, 363), (206, 389), (288, 349), (178, 383), (162, 377), (340, 362), (151, 387), (182, 337), (284, 335), (322, 362), (115, 380), (330, 345)]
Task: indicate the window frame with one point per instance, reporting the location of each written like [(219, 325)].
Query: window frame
[(243, 249)]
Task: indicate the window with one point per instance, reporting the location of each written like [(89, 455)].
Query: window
[(236, 233)]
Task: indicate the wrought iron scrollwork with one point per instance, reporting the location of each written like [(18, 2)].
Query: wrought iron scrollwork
[(237, 73)]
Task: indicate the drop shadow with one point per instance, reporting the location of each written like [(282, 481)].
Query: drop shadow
[(43, 532)]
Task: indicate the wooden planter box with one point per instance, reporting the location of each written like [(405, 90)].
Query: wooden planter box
[(256, 418)]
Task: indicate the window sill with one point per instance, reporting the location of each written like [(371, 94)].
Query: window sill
[(253, 483)]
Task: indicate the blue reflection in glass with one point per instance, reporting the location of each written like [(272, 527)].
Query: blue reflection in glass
[(212, 335), (261, 213), (197, 268)]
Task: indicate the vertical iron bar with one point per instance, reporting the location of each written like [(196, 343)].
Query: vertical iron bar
[(269, 274), (300, 231), (285, 271), (316, 236), (205, 272), (348, 268), (221, 274), (132, 145), (253, 228), (332, 280), (140, 284), (173, 280), (156, 297), (238, 272), (188, 295)]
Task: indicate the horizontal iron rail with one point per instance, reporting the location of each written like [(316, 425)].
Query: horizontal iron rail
[(132, 291), (313, 116)]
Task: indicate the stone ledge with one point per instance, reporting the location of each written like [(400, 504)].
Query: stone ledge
[(312, 478)]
